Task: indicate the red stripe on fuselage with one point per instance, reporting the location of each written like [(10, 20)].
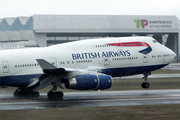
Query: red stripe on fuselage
[(129, 44)]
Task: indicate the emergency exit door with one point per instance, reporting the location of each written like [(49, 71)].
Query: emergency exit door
[(106, 61), (145, 59), (5, 66)]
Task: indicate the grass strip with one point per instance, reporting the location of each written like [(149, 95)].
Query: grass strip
[(157, 112)]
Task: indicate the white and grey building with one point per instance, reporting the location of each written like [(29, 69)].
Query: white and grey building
[(46, 30)]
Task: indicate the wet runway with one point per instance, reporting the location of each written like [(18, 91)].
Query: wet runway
[(93, 99), (99, 99), (172, 66), (153, 76)]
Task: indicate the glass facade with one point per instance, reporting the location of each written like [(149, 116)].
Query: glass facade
[(52, 40)]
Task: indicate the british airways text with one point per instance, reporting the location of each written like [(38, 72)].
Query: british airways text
[(93, 55)]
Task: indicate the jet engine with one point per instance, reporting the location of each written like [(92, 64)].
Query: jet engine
[(88, 82)]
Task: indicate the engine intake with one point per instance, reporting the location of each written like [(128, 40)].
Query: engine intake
[(88, 82)]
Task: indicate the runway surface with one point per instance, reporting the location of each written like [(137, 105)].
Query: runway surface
[(99, 99), (153, 76), (172, 66), (93, 99)]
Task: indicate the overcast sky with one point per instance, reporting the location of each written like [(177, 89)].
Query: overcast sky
[(16, 8)]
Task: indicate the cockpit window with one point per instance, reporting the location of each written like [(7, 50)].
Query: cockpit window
[(154, 41)]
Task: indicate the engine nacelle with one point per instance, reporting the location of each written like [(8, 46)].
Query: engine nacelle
[(88, 82)]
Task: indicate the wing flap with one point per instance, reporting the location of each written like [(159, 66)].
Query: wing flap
[(53, 74)]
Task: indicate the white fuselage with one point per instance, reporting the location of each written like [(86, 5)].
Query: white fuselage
[(108, 56)]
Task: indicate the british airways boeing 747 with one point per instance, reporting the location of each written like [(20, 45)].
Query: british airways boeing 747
[(81, 65)]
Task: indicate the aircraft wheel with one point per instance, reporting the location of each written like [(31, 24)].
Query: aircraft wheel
[(36, 94), (29, 95), (16, 94), (55, 95), (145, 85), (59, 95), (19, 94), (32, 94), (51, 94)]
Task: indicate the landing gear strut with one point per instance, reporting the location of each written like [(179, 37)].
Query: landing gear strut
[(53, 94), (26, 93), (146, 83)]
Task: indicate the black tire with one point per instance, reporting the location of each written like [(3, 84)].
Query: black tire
[(145, 85), (49, 94), (36, 94), (16, 94), (29, 95), (19, 94), (59, 95), (142, 85)]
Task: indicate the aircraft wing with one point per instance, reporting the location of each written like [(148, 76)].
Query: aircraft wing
[(45, 65), (48, 68), (53, 74)]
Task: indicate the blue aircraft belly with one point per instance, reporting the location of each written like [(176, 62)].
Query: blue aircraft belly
[(126, 71), (17, 81), (24, 80)]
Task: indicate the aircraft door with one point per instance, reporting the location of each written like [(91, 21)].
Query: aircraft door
[(106, 61), (5, 66), (53, 61), (145, 59)]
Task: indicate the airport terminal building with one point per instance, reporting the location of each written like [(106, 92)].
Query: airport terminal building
[(46, 30)]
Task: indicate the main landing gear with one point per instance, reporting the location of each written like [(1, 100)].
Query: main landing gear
[(145, 84), (53, 94), (26, 93)]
